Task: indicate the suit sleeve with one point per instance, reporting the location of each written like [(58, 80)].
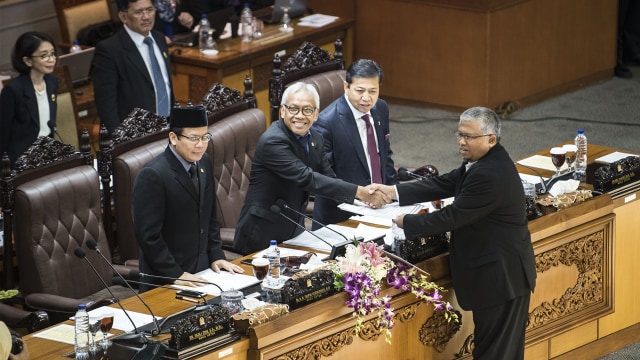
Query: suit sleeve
[(148, 217), (214, 245), (391, 176), (280, 159), (475, 201), (7, 115), (105, 77)]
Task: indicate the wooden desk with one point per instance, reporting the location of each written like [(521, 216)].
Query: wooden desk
[(194, 73)]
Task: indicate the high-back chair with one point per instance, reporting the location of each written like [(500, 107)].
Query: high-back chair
[(51, 204), (235, 133), (311, 65), (74, 15), (67, 115)]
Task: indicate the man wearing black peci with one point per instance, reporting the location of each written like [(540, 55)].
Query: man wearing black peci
[(174, 205)]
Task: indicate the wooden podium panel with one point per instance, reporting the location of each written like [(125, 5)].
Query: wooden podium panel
[(467, 53)]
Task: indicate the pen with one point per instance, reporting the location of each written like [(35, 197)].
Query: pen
[(187, 299)]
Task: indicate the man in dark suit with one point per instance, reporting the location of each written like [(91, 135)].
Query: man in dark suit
[(174, 205), (491, 255), (288, 164), (125, 73), (346, 140)]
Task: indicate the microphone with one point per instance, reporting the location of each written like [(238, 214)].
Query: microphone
[(282, 204), (81, 254), (93, 245), (541, 188), (136, 274), (53, 127), (406, 174), (336, 250)]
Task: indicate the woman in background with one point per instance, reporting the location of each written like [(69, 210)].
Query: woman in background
[(28, 103)]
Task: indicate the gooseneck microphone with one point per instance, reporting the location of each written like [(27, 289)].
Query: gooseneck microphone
[(143, 275), (406, 174), (282, 204), (93, 245), (81, 254), (542, 189), (276, 209)]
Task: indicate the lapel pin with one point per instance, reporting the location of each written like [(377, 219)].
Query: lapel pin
[(313, 144), (53, 97), (164, 54), (378, 123)]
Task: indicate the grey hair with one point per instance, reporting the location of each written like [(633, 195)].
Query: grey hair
[(489, 120), (300, 87)]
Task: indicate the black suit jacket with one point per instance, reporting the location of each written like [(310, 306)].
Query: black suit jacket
[(176, 229), (491, 254), (19, 118), (281, 170), (346, 153), (121, 80)]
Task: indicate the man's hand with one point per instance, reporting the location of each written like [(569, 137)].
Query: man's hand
[(186, 279), (374, 199), (224, 264), (389, 191), (399, 221), (185, 19)]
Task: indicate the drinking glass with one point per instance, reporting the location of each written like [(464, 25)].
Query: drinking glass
[(94, 325), (105, 326), (260, 267), (286, 20), (558, 158), (570, 156)]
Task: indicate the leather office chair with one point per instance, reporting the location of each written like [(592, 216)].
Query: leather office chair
[(67, 115), (51, 204), (17, 318), (140, 137), (235, 131), (74, 15), (311, 65)]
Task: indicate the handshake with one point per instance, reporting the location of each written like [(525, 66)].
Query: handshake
[(376, 195)]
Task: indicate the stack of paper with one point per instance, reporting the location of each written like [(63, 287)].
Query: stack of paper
[(317, 20)]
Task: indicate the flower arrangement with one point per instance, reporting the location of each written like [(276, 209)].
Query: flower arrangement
[(360, 272)]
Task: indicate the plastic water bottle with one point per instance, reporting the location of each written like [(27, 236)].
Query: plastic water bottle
[(82, 333), (205, 35), (75, 47), (581, 155), (273, 255), (246, 21)]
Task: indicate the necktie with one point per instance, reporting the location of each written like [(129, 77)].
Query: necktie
[(162, 98), (376, 173), (193, 171), (304, 141)]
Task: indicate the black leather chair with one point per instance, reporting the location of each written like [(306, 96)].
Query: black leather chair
[(312, 65), (51, 204)]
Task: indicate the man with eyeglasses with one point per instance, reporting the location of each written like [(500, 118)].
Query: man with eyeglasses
[(289, 163), (491, 255), (131, 69), (355, 128), (174, 205)]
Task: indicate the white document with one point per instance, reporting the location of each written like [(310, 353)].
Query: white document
[(120, 320), (388, 211), (317, 20), (613, 157), (531, 179), (541, 162), (306, 239), (224, 279)]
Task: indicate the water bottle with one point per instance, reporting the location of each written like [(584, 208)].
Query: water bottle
[(581, 155), (273, 255), (246, 21), (75, 47), (205, 35), (82, 333)]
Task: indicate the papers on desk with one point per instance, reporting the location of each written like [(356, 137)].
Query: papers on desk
[(224, 279), (285, 252), (541, 162), (120, 320), (613, 157), (531, 179), (389, 211), (317, 20), (307, 240), (64, 333)]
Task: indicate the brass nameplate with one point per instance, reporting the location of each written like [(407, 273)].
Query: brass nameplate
[(298, 292), (200, 327)]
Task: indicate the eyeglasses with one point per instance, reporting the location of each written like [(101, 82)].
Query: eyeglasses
[(194, 138), (46, 57), (468, 137), (148, 11), (306, 111)]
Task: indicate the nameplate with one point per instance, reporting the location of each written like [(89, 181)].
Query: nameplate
[(617, 174), (200, 327), (304, 290), (421, 248)]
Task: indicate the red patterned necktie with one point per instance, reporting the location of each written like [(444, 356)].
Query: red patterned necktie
[(372, 149)]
